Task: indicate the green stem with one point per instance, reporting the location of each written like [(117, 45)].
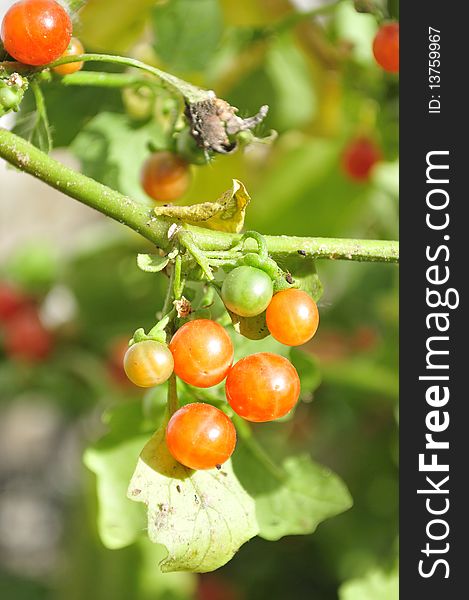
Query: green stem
[(260, 241), (140, 218), (30, 159), (168, 301), (41, 112), (191, 92), (187, 240), (173, 401), (106, 80), (178, 283)]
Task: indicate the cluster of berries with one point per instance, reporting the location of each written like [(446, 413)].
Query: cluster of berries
[(260, 387)]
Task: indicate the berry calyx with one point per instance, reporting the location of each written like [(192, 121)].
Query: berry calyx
[(75, 48), (200, 436), (36, 32), (359, 157), (292, 317), (262, 387), (202, 352), (165, 176), (386, 47), (247, 291), (148, 363)]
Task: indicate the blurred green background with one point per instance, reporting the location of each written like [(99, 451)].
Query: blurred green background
[(79, 271)]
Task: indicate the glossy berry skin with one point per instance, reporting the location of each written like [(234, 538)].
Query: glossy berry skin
[(386, 47), (292, 317), (26, 338), (200, 436), (202, 352), (262, 387), (359, 158), (247, 291), (11, 301), (36, 32), (74, 49), (148, 363), (165, 176)]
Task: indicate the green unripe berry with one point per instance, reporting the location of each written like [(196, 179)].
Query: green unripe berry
[(247, 291)]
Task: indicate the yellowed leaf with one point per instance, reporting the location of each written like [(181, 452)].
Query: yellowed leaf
[(225, 214)]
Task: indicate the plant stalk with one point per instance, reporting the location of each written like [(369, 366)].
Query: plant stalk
[(141, 218)]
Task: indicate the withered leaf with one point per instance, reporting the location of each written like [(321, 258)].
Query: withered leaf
[(225, 214)]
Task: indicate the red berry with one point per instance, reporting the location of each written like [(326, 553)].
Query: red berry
[(165, 176), (262, 387), (202, 352), (36, 32), (74, 49), (200, 436), (359, 158), (292, 317), (26, 337), (11, 301), (386, 47)]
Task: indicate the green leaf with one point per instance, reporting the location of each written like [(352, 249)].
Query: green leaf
[(225, 214), (377, 585), (81, 102), (202, 517), (303, 271), (112, 459), (112, 149), (151, 263), (187, 32), (293, 502)]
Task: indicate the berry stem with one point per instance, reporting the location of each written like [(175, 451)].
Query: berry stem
[(141, 218), (260, 241), (173, 401), (106, 80), (41, 112), (178, 282), (189, 91), (187, 240)]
